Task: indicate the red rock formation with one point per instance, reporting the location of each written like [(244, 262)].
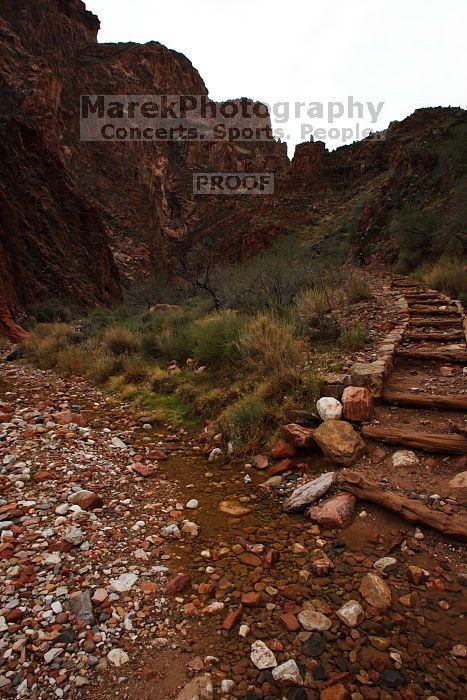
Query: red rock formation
[(75, 198), (53, 242), (72, 212)]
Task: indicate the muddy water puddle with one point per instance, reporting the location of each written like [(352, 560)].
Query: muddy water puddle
[(422, 628)]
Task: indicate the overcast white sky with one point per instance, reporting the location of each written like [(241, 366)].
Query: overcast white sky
[(405, 53)]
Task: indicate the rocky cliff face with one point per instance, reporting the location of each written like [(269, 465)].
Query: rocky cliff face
[(53, 242), (85, 208), (79, 219)]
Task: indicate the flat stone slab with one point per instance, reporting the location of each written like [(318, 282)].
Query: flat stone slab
[(335, 512), (308, 493)]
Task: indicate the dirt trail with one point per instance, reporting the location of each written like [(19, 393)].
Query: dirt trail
[(416, 398), (253, 575)]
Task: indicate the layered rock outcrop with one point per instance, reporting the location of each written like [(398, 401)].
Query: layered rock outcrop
[(81, 207), (80, 219)]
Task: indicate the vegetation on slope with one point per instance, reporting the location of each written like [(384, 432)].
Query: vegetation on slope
[(243, 365)]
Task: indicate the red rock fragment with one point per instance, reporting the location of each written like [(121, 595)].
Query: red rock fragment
[(14, 615), (232, 619), (294, 591), (271, 558), (41, 476), (387, 326), (251, 600), (91, 502), (249, 559), (358, 403), (275, 645), (205, 589), (281, 467), (66, 417), (148, 587), (158, 455), (298, 435), (61, 546), (190, 609), (290, 622), (335, 512), (321, 567), (260, 462), (282, 450), (177, 584), (142, 469), (335, 692)]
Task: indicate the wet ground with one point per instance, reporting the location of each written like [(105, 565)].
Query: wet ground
[(401, 652), (407, 649)]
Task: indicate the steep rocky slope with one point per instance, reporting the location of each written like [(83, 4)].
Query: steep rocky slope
[(78, 220), (137, 196), (350, 201), (53, 241)]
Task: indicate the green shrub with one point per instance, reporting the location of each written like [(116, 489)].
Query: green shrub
[(448, 275), (314, 311), (163, 381), (357, 289), (270, 281), (74, 359), (312, 303), (46, 341), (135, 371), (353, 337), (243, 420), (216, 338), (51, 312), (271, 348), (119, 340), (103, 366), (96, 321), (167, 335), (208, 401), (310, 386), (167, 408), (415, 232), (173, 342)]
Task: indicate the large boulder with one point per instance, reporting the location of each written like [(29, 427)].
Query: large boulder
[(358, 403), (298, 435), (369, 375), (333, 385), (335, 512), (308, 493), (339, 442)]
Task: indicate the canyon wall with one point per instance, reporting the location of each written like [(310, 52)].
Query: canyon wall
[(80, 220)]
